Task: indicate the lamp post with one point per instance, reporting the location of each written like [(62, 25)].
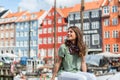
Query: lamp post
[(29, 38), (54, 30), (81, 14)]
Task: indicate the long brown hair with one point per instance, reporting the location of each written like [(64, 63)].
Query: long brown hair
[(79, 40)]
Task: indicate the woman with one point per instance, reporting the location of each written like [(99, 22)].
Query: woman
[(71, 58)]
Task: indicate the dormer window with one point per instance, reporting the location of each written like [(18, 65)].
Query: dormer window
[(24, 17), (33, 16)]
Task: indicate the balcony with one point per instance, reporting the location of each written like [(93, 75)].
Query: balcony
[(105, 15)]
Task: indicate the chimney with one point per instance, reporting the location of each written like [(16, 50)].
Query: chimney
[(1, 8), (19, 9)]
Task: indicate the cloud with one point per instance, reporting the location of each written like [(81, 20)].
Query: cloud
[(36, 5), (31, 5), (64, 2)]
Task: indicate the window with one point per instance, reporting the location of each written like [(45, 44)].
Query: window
[(24, 17), (49, 21), (114, 21), (86, 15), (59, 20), (86, 26), (34, 33), (106, 10), (86, 39), (71, 17), (114, 9), (25, 43), (22, 26), (7, 34), (11, 43), (34, 43), (95, 39), (21, 43), (106, 22), (65, 28), (59, 28), (49, 40), (40, 40), (49, 30), (18, 26), (11, 34), (12, 26), (33, 16), (49, 14), (44, 40), (95, 25), (50, 53), (2, 35), (7, 26), (115, 48), (77, 16), (17, 44), (17, 34), (21, 34), (59, 39), (2, 27), (40, 31), (115, 34), (95, 14), (45, 22), (25, 34), (45, 30), (107, 48), (107, 34), (6, 43), (34, 23)]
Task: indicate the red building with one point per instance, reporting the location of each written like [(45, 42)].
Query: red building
[(46, 31)]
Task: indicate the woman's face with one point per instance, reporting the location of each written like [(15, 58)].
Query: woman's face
[(71, 35)]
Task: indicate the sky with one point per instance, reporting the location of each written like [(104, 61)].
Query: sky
[(35, 5)]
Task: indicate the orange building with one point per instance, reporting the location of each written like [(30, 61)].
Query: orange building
[(111, 26)]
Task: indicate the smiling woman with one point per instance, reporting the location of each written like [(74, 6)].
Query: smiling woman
[(70, 63)]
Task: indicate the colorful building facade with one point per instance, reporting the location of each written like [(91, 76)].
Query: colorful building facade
[(111, 26), (46, 35)]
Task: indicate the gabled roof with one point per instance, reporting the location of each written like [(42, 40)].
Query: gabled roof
[(64, 11), (29, 16), (3, 12), (38, 14), (88, 6), (12, 17), (17, 14)]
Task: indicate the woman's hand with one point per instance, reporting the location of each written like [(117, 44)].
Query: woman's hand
[(56, 67), (53, 78)]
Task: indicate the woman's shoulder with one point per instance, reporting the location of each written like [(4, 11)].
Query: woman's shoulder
[(63, 46)]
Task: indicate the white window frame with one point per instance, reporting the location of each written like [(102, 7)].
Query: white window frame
[(115, 47), (95, 39)]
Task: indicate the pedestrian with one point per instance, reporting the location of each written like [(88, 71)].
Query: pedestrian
[(70, 63), (12, 68)]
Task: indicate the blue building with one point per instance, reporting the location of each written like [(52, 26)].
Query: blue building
[(27, 34)]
